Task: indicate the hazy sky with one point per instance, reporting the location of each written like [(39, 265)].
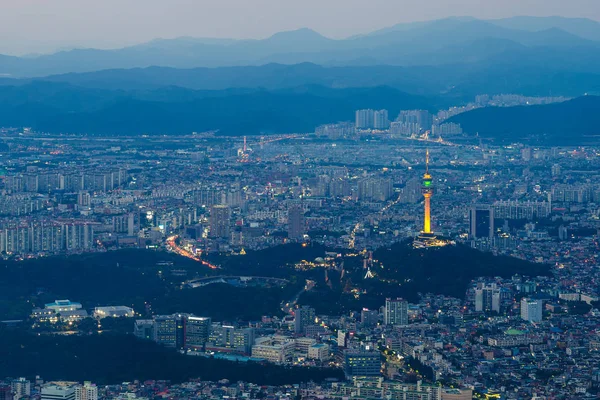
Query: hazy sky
[(43, 25)]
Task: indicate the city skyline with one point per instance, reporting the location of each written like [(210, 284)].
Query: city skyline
[(341, 201)]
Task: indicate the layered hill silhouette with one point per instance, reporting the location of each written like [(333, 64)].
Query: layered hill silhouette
[(576, 121), (441, 42), (63, 108), (519, 74)]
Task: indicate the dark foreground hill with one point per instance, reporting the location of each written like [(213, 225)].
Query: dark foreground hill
[(573, 122), (139, 277), (132, 278), (110, 359), (62, 108), (407, 272)]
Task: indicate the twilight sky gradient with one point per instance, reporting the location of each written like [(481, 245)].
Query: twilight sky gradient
[(44, 25)]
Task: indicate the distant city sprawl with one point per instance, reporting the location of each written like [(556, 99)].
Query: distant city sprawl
[(384, 257)]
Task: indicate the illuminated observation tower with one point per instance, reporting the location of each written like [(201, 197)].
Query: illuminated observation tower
[(426, 238), (427, 193)]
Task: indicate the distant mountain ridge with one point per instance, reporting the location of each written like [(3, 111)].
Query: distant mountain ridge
[(434, 43), (457, 83)]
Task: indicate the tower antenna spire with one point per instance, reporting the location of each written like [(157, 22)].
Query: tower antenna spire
[(427, 161)]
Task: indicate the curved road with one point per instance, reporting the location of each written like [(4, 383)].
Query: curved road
[(184, 253)]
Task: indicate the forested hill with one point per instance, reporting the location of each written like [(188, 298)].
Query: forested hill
[(575, 121), (63, 108)]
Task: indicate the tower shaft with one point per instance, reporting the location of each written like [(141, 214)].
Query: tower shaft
[(427, 217)]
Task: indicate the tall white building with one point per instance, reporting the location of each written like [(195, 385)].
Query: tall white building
[(365, 119), (396, 312), (87, 391), (531, 310), (21, 388), (487, 297), (381, 119)]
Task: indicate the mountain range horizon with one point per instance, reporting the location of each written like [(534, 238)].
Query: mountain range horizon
[(437, 42), (230, 39), (423, 65)]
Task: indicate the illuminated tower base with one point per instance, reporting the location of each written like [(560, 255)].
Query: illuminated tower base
[(425, 240)]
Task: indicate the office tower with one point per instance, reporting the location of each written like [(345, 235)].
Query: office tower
[(369, 318), (169, 330), (304, 316), (21, 388), (296, 224), (84, 199), (526, 153), (219, 221), (487, 297), (481, 222), (197, 331), (362, 363), (87, 391), (365, 119), (58, 391), (381, 119), (396, 312), (531, 310)]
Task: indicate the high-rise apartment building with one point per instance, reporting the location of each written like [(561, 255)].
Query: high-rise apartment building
[(421, 119), (381, 119), (296, 223), (375, 189), (487, 297), (521, 209), (220, 216), (396, 312), (21, 387), (365, 119), (87, 391)]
